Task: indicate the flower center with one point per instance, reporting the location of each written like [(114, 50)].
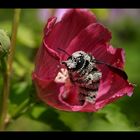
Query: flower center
[(62, 76)]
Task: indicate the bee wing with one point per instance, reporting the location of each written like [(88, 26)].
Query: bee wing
[(114, 69), (119, 71)]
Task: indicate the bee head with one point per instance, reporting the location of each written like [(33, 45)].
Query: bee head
[(76, 61)]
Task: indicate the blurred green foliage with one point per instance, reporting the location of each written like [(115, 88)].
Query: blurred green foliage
[(122, 115)]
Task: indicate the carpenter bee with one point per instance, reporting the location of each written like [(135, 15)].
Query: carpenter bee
[(83, 71)]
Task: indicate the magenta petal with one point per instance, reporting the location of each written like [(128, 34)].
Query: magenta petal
[(44, 60), (111, 88), (49, 26), (118, 56), (60, 12), (50, 94), (118, 85), (119, 88), (71, 24), (46, 56), (110, 55), (90, 38), (76, 31)]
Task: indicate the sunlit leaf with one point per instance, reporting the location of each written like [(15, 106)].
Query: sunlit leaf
[(27, 124), (109, 118), (25, 35)]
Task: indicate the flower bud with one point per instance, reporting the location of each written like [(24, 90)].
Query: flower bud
[(4, 43)]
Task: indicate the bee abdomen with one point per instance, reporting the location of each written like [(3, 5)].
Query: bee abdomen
[(87, 76), (86, 94), (88, 86)]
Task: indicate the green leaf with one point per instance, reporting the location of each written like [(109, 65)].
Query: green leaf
[(37, 111), (108, 119), (19, 93), (25, 35), (130, 107), (24, 62), (50, 117), (77, 121), (25, 123)]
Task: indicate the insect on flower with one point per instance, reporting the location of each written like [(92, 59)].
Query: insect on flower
[(84, 72), (76, 68)]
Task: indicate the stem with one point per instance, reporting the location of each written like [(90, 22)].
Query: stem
[(13, 39), (21, 108), (4, 97), (7, 73)]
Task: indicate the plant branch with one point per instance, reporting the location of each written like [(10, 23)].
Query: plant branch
[(7, 73)]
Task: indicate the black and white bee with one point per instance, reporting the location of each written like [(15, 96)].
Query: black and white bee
[(83, 71)]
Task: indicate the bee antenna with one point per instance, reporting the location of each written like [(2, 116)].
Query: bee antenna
[(99, 62), (64, 51)]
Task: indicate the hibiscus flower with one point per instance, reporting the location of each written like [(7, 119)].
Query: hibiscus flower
[(78, 30)]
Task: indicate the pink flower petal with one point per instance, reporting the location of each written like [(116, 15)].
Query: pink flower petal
[(71, 24), (60, 12), (110, 55), (119, 88), (48, 92), (76, 31), (52, 94), (44, 60), (49, 26), (89, 39)]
